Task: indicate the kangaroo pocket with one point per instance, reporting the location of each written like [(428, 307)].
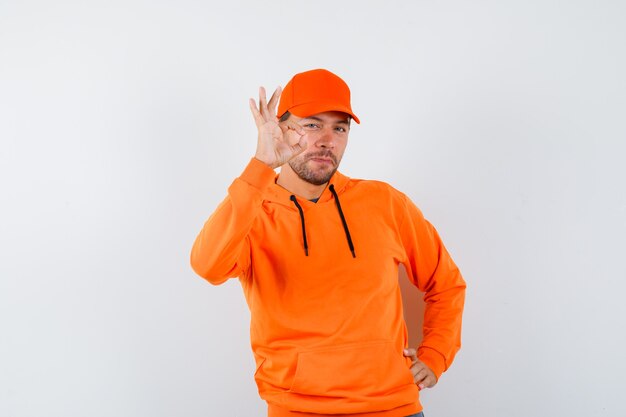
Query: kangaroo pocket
[(355, 370)]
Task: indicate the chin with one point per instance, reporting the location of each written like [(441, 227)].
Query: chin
[(322, 178)]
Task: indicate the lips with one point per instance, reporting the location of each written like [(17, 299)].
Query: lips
[(323, 159)]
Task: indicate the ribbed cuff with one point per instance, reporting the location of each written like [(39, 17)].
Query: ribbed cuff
[(433, 359), (402, 411), (258, 174)]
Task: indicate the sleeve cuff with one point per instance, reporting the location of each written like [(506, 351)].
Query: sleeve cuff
[(258, 174), (433, 359)]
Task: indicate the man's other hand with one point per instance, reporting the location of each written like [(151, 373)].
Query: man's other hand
[(422, 375)]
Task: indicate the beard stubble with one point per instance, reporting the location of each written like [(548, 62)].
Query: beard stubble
[(315, 177)]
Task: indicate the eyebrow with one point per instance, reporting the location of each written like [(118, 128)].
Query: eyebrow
[(344, 121)]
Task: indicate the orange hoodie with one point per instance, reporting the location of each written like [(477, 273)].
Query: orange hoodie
[(327, 327)]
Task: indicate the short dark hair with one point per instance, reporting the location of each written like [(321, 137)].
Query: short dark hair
[(284, 117)]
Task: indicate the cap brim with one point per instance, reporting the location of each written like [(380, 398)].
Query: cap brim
[(310, 109)]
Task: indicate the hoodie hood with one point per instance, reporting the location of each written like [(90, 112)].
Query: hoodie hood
[(337, 184), (277, 194)]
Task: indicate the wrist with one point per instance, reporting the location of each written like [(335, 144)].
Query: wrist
[(260, 159), (258, 174)]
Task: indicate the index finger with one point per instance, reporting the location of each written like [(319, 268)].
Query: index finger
[(290, 124), (293, 125)]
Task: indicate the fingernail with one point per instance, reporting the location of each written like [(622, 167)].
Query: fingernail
[(421, 386)]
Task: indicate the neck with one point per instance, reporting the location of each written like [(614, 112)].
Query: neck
[(290, 181)]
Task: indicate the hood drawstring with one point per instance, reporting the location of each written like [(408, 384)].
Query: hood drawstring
[(343, 219), (306, 246)]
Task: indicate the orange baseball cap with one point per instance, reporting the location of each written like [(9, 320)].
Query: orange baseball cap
[(315, 91)]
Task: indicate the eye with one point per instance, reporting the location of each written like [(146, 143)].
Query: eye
[(311, 126), (340, 129)]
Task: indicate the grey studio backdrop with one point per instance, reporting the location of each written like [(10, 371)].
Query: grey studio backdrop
[(122, 123)]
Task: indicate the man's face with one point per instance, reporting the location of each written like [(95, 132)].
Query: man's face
[(327, 137)]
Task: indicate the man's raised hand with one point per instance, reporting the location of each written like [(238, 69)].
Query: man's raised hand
[(277, 143)]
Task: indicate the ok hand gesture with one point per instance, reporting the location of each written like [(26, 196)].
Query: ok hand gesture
[(278, 142)]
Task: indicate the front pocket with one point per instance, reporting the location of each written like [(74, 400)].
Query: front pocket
[(355, 370)]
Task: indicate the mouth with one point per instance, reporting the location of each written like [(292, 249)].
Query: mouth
[(323, 159)]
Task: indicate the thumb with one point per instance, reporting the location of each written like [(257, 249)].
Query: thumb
[(410, 352)]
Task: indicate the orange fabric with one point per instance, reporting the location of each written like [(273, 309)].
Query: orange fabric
[(313, 92), (403, 411), (327, 330)]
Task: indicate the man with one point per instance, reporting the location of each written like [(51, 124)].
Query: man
[(317, 255)]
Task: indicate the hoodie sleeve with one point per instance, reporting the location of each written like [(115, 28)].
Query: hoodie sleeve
[(432, 270), (222, 249)]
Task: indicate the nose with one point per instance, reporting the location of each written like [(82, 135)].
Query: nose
[(326, 139)]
